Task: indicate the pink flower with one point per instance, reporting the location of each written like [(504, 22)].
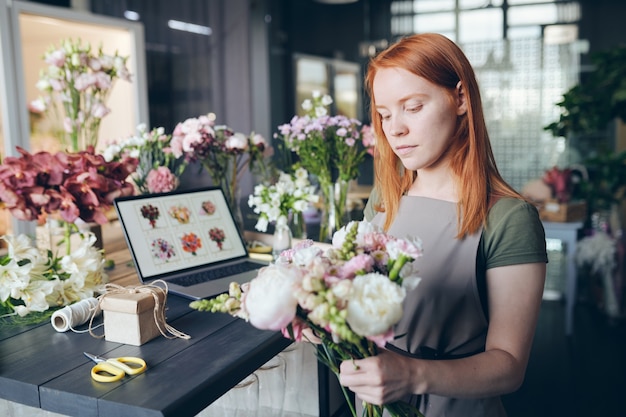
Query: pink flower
[(161, 180), (297, 327), (75, 185), (359, 264), (237, 142), (99, 110), (56, 58)]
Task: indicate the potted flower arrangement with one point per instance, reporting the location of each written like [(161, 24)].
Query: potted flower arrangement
[(331, 148), (288, 197), (158, 169), (63, 186), (79, 81), (223, 153)]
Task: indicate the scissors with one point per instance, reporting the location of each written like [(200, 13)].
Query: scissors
[(114, 369)]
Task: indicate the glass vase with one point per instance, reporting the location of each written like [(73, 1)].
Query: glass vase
[(233, 194), (58, 236), (282, 237), (334, 212), (297, 225)]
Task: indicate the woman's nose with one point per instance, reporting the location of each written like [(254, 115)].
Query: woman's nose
[(398, 127)]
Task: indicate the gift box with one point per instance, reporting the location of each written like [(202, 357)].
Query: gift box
[(553, 211), (129, 317)]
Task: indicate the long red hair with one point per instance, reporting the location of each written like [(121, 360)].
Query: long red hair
[(440, 61)]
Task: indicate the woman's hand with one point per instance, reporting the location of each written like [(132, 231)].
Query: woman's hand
[(379, 379)]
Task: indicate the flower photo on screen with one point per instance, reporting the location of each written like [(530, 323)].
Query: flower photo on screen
[(218, 236), (191, 242), (162, 249), (150, 213), (180, 213)]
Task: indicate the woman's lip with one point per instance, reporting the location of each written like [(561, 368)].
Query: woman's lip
[(402, 150)]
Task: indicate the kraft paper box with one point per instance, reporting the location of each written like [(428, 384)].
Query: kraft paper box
[(129, 317)]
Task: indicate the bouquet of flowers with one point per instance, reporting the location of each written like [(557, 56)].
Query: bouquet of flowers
[(223, 153), (73, 185), (150, 213), (158, 170), (80, 81), (292, 192), (329, 147), (350, 297), (34, 280)]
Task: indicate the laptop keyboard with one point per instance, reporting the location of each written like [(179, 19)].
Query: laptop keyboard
[(213, 274)]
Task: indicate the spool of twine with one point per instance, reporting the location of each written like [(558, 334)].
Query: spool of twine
[(158, 293), (74, 315)]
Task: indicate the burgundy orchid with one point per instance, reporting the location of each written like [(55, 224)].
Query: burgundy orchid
[(74, 185)]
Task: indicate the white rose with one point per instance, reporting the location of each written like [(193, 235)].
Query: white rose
[(375, 304), (270, 300)]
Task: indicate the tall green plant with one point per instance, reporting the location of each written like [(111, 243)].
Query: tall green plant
[(599, 98)]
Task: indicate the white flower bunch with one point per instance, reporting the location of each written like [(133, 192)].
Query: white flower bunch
[(292, 192), (598, 252), (34, 280)]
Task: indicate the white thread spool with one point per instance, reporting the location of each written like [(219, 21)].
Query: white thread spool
[(73, 315)]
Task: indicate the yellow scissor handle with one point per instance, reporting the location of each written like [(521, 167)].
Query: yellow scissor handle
[(129, 364), (114, 369), (107, 372)]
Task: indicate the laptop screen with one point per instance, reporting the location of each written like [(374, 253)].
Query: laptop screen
[(171, 232)]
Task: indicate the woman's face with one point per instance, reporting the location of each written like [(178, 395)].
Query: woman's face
[(418, 117)]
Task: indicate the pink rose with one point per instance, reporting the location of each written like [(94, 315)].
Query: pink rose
[(161, 180)]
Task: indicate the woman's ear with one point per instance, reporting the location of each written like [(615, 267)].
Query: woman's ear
[(460, 100)]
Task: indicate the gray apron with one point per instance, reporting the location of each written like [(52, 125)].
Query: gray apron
[(443, 317)]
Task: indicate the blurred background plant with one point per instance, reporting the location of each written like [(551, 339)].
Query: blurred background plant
[(75, 87)]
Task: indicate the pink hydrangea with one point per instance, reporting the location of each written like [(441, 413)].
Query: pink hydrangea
[(161, 180)]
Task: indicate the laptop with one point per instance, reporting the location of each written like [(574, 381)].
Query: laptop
[(188, 239)]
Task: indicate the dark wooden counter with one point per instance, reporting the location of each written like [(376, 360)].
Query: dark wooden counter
[(42, 368)]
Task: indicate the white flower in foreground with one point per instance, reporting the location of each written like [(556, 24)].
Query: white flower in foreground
[(85, 259), (19, 247), (375, 304), (270, 302), (34, 297)]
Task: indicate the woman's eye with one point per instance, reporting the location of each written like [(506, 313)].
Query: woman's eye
[(385, 116), (413, 109)]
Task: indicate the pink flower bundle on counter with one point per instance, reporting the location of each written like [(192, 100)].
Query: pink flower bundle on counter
[(349, 296)]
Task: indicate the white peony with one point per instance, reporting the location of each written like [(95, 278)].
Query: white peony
[(375, 304), (270, 302)]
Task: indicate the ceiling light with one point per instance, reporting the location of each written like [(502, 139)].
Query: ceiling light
[(189, 27), (130, 15)]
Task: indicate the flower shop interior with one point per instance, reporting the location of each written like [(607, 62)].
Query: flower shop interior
[(551, 74)]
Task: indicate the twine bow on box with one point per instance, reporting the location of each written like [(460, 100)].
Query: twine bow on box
[(158, 293)]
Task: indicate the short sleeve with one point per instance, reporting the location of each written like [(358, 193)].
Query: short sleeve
[(513, 235)]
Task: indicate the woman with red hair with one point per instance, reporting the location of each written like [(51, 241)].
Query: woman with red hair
[(467, 329)]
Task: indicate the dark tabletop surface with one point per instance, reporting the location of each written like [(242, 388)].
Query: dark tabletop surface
[(43, 368)]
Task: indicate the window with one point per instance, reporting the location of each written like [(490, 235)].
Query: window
[(525, 55)]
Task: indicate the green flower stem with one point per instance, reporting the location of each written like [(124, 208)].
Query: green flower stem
[(67, 234), (394, 272)]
